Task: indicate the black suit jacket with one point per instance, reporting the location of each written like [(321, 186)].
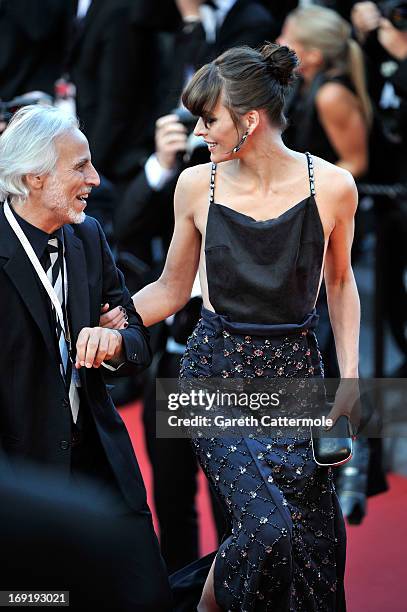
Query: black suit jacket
[(112, 63), (35, 420), (247, 23)]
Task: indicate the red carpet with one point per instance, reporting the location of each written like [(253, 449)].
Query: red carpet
[(377, 550)]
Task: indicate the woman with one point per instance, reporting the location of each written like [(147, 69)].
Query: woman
[(330, 107), (284, 218)]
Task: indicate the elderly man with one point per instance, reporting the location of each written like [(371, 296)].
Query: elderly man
[(56, 270)]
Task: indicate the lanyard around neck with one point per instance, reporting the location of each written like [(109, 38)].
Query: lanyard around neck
[(36, 264)]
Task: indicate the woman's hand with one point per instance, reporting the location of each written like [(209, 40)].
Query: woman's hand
[(117, 318), (347, 402)]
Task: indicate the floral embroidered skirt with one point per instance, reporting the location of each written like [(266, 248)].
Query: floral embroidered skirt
[(286, 548)]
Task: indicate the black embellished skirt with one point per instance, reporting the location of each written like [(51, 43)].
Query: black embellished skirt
[(285, 551)]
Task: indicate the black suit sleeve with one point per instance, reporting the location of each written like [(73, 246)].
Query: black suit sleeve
[(144, 213), (132, 209), (135, 337)]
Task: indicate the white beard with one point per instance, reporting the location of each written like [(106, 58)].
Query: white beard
[(77, 217), (62, 207)]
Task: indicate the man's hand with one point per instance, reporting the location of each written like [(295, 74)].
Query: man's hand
[(97, 344), (393, 40), (117, 318), (365, 18), (170, 139)]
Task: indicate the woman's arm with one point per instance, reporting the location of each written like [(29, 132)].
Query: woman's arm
[(343, 298), (342, 293), (342, 119), (172, 290)]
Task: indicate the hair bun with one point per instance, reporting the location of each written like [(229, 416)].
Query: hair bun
[(281, 62)]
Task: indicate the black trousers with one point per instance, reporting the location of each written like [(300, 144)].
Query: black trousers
[(137, 577)]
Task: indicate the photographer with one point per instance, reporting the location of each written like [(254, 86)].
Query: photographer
[(145, 212), (382, 30), (206, 29)]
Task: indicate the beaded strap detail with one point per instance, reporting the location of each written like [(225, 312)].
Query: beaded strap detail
[(311, 173), (212, 185)]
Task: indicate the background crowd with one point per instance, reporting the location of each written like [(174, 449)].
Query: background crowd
[(121, 65)]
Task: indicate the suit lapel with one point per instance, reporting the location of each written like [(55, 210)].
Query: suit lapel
[(23, 276), (93, 10), (232, 21), (80, 30)]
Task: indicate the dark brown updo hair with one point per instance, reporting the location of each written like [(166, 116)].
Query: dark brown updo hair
[(247, 79)]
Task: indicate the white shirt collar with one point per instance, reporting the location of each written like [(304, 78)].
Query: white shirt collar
[(224, 5), (83, 7), (222, 9), (212, 18)]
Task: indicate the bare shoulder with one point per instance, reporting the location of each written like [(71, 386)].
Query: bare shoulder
[(192, 184), (333, 98), (335, 188)]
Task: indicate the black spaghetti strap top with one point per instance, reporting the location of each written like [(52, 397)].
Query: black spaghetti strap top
[(264, 271)]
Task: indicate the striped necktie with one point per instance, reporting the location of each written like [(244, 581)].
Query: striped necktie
[(53, 265)]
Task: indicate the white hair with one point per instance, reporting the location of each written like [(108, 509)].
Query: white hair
[(27, 146)]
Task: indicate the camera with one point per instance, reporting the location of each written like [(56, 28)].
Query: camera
[(196, 151), (396, 12), (186, 118)]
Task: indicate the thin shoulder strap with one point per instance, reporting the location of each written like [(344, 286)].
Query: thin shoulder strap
[(212, 185), (311, 173)]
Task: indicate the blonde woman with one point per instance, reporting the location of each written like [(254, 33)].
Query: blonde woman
[(330, 111)]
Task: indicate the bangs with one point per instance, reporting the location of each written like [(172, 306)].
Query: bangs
[(203, 91)]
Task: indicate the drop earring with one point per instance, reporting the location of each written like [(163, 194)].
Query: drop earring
[(240, 143)]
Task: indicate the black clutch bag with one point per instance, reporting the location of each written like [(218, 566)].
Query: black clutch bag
[(334, 446)]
